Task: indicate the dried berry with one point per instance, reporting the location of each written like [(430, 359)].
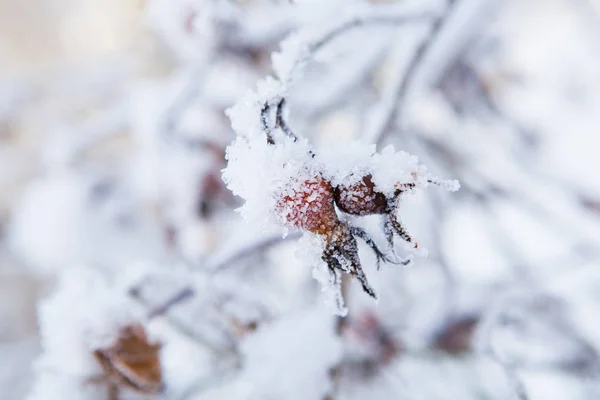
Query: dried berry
[(309, 206), (361, 198), (131, 362)]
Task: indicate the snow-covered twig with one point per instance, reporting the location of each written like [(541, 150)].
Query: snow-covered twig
[(220, 263), (300, 48), (188, 94), (179, 297), (393, 102)]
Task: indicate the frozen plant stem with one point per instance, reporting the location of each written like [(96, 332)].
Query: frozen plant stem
[(235, 257), (395, 106), (181, 296), (380, 15), (280, 122), (378, 18)]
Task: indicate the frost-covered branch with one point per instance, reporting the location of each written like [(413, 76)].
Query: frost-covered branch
[(394, 101), (303, 190), (298, 49)]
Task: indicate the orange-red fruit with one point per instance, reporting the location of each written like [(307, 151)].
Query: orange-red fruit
[(309, 206), (361, 198)]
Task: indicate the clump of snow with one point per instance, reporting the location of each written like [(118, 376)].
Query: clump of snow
[(256, 171), (292, 57), (245, 115), (348, 163), (393, 168), (84, 314)]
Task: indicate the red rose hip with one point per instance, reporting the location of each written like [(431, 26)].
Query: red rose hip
[(309, 206)]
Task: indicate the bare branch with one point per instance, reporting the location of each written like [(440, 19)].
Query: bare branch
[(179, 297), (395, 103), (380, 15), (220, 265), (190, 92), (280, 122)]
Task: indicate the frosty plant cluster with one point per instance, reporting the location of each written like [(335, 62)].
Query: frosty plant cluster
[(105, 349), (285, 182)]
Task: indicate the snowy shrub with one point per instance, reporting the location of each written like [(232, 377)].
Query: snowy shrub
[(260, 200)]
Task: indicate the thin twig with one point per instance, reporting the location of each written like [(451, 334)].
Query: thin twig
[(179, 297), (189, 93), (281, 123), (396, 101), (264, 119), (367, 21), (246, 251), (379, 16), (182, 328)]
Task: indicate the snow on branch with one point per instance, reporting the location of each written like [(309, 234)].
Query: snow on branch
[(285, 183), (298, 49)]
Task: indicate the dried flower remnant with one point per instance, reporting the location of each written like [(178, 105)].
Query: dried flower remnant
[(363, 198), (341, 254), (132, 362)]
